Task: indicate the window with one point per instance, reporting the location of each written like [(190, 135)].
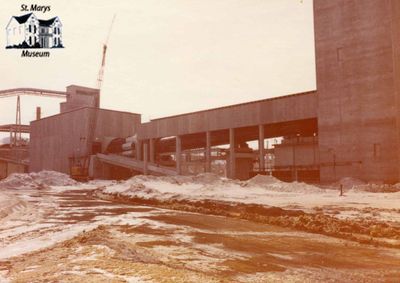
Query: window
[(30, 28), (34, 29)]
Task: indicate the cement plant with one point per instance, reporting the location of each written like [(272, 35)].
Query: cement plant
[(297, 188)]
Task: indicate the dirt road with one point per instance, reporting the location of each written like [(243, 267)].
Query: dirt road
[(67, 235)]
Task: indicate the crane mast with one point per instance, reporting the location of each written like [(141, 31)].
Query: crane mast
[(100, 76), (93, 121)]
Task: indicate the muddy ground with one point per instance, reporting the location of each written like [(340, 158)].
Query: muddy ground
[(73, 236)]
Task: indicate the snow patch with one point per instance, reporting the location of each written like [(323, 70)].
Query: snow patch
[(40, 180), (206, 186)]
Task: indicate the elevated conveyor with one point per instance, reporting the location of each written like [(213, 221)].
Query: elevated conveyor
[(135, 164)]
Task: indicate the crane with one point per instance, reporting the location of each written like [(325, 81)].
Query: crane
[(77, 161), (100, 77), (79, 165), (103, 60)]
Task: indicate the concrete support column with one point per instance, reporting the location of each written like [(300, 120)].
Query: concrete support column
[(139, 153), (152, 151), (232, 158), (145, 158), (294, 173), (208, 152), (178, 154), (261, 150)]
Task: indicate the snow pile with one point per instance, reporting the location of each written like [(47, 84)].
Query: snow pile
[(7, 203), (349, 182), (271, 183), (205, 186), (260, 190), (262, 180), (377, 188), (42, 179), (356, 185)]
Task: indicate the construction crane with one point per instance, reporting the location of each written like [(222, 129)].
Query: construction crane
[(79, 165), (103, 60)]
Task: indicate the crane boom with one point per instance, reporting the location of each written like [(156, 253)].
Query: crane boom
[(103, 60), (93, 121)]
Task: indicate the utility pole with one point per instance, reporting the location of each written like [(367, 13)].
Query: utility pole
[(17, 131)]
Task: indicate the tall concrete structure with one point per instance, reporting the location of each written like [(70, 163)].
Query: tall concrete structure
[(357, 59)]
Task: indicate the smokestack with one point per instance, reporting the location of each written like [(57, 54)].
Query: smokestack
[(38, 113)]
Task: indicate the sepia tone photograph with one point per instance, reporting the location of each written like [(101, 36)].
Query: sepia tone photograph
[(196, 141)]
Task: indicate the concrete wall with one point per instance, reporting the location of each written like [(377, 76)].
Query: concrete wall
[(54, 139), (79, 97), (357, 57), (299, 155), (3, 169), (8, 167)]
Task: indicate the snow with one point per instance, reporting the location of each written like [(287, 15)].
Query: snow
[(7, 203), (211, 188), (263, 190), (259, 190), (26, 246), (3, 280), (24, 229), (349, 182), (42, 179), (32, 219)]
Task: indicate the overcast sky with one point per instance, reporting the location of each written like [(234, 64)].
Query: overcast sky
[(166, 57)]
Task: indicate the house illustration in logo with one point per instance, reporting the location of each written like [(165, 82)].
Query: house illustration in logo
[(28, 31)]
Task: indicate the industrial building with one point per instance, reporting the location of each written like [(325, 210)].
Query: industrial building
[(349, 126)]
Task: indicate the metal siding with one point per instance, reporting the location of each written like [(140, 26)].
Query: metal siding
[(55, 139), (289, 108)]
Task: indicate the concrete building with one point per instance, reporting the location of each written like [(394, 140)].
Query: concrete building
[(353, 118), (56, 139), (357, 58), (9, 166), (297, 158)]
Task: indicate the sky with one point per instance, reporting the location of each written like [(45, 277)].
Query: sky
[(166, 57)]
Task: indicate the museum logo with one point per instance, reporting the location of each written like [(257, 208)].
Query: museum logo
[(29, 32)]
